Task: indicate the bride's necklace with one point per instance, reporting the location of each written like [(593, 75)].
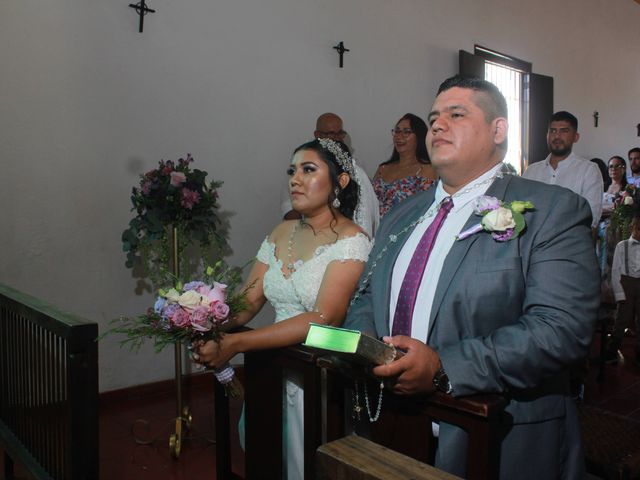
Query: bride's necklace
[(291, 265)]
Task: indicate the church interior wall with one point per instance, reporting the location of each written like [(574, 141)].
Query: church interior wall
[(87, 104)]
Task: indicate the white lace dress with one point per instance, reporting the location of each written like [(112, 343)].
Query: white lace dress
[(291, 296)]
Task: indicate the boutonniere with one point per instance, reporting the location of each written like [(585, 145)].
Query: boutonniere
[(504, 220)]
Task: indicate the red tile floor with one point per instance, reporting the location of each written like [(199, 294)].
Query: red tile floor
[(134, 436), (122, 416), (615, 388)]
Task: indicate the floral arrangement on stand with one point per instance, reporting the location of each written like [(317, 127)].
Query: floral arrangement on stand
[(172, 195), (176, 208), (505, 221), (188, 313), (625, 206)]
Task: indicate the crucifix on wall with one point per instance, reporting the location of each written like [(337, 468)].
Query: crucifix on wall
[(341, 51), (142, 10)]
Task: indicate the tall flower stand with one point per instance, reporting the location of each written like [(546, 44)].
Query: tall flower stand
[(183, 413)]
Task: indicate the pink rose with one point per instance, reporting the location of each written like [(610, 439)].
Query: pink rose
[(200, 320), (219, 310), (218, 293), (180, 318), (177, 179), (189, 198)]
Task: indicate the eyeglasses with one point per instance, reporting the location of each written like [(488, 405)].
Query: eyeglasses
[(405, 132), (615, 167), (331, 134)]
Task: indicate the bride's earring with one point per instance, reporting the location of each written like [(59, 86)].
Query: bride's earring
[(336, 200)]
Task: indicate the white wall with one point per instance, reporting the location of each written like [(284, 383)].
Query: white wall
[(87, 103)]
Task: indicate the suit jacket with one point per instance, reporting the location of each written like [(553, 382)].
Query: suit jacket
[(508, 318)]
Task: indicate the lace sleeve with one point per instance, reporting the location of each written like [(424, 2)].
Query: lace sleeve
[(266, 249), (352, 248)]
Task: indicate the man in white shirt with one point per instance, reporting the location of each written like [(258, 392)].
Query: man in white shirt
[(566, 169), (634, 166), (329, 125), (625, 280)]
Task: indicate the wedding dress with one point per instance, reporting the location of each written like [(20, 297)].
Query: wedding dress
[(291, 296)]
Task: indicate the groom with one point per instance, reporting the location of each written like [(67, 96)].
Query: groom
[(486, 315)]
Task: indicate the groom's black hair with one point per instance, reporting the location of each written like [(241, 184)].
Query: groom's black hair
[(496, 106)]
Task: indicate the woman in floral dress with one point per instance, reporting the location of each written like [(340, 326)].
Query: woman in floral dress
[(409, 170)]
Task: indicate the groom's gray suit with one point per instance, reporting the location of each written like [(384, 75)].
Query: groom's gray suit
[(508, 317)]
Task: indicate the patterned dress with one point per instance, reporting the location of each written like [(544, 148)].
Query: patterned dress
[(391, 193)]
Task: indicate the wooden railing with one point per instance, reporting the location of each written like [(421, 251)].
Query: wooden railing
[(324, 417), (48, 389)]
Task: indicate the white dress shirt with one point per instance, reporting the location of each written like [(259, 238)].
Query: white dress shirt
[(633, 179), (618, 267), (575, 173), (462, 208)]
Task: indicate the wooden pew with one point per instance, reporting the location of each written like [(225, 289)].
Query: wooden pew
[(324, 414), (356, 458), (48, 389)]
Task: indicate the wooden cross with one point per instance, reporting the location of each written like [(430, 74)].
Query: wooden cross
[(340, 48), (142, 10)]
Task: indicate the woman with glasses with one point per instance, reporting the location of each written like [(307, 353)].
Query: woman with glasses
[(618, 174), (607, 240), (409, 170)]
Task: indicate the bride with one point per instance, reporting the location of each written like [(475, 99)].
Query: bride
[(307, 269)]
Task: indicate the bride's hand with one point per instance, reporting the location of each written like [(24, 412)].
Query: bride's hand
[(215, 354)]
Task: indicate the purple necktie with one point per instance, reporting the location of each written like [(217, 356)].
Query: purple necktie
[(413, 276)]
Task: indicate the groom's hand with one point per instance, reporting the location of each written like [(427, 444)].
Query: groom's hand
[(413, 372)]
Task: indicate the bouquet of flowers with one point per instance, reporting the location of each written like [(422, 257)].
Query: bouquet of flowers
[(187, 313), (625, 206), (505, 221), (175, 195)]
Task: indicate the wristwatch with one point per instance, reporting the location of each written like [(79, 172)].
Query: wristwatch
[(441, 382)]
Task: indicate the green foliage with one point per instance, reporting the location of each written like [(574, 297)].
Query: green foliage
[(172, 196)]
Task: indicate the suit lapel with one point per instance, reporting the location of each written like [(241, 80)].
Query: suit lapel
[(394, 248), (459, 251)]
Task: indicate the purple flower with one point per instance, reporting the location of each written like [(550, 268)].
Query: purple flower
[(219, 310), (159, 305), (485, 203), (181, 318), (189, 198), (193, 286), (170, 310), (200, 319), (503, 236)]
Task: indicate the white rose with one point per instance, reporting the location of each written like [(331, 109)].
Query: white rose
[(498, 220), (628, 200), (172, 295), (190, 300)]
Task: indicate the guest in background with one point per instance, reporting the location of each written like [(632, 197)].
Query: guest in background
[(634, 166), (564, 168), (606, 240), (409, 169), (618, 182), (625, 278), (603, 172), (307, 269)]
